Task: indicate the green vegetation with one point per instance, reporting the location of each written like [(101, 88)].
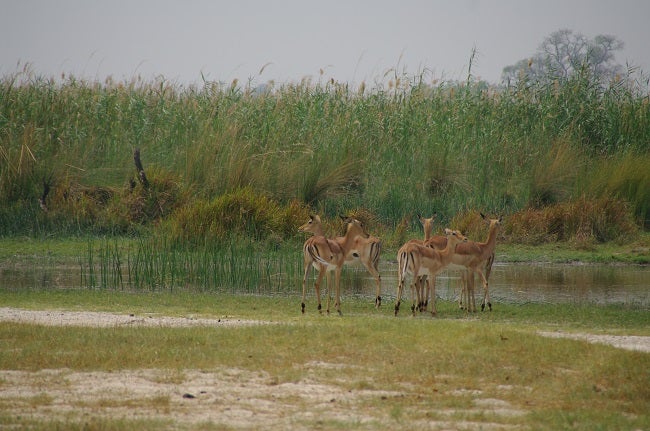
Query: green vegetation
[(231, 173), (227, 160)]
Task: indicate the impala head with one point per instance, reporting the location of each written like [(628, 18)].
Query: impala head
[(494, 222), (427, 221), (427, 224), (455, 236), (313, 225), (354, 226)]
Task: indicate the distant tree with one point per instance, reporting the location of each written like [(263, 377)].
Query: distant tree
[(564, 53)]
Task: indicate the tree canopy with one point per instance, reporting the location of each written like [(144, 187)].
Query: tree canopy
[(562, 54)]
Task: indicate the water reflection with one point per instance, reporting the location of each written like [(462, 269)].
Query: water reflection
[(552, 283), (518, 283)]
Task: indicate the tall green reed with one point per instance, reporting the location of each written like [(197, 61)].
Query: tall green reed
[(394, 150), (155, 264)]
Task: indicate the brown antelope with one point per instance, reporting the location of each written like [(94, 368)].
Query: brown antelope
[(367, 250), (475, 258), (418, 260), (427, 226), (327, 255)]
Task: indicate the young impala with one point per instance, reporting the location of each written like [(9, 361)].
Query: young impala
[(417, 260), (367, 250), (327, 255), (475, 258), (427, 226)]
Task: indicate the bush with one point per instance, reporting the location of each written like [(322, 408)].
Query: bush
[(243, 212), (582, 221)]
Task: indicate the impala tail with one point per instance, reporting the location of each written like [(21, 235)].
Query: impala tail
[(316, 257)]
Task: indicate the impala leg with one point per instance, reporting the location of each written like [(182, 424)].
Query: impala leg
[(328, 279), (486, 294), (337, 304), (427, 295), (304, 286), (415, 294), (462, 297), (471, 297), (375, 273), (433, 296), (398, 300), (322, 271), (419, 287)]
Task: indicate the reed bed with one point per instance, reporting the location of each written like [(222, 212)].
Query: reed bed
[(153, 265), (402, 147)]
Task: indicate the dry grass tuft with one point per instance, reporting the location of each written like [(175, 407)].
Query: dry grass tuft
[(581, 221)]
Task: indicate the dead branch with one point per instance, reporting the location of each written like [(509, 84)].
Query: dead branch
[(138, 166), (46, 191)]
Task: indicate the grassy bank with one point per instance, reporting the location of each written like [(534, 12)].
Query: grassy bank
[(490, 369)]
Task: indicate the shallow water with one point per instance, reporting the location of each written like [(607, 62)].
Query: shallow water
[(514, 283), (549, 283)]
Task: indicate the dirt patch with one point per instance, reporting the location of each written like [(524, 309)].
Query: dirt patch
[(628, 342), (228, 398), (99, 319)]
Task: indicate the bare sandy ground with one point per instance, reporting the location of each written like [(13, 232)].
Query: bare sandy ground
[(628, 342), (98, 319), (229, 398)]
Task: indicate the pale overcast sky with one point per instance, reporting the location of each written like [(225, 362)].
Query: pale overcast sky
[(351, 40)]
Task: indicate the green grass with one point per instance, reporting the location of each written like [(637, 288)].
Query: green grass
[(440, 366)]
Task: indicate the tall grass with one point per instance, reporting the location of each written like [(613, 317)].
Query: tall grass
[(154, 264), (393, 150)]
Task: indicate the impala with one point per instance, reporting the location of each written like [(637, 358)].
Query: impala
[(419, 260), (366, 249), (427, 226), (327, 255), (476, 258)]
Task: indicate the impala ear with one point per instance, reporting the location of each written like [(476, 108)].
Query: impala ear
[(448, 231), (344, 218)]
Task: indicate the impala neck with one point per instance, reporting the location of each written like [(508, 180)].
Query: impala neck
[(492, 234), (353, 230), (317, 230), (452, 242), (428, 227)]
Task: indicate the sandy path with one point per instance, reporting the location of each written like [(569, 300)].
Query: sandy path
[(628, 342), (100, 319)]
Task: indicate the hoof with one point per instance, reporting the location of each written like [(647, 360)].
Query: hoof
[(303, 308), (378, 302)]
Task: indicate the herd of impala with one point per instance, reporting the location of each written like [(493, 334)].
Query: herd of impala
[(422, 260)]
